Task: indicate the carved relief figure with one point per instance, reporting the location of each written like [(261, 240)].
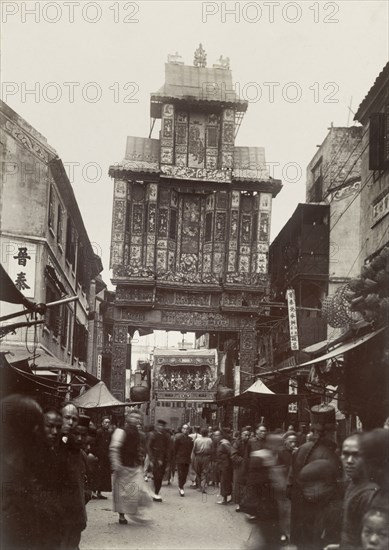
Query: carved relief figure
[(196, 146)]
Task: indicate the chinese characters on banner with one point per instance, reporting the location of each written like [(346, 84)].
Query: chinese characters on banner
[(292, 312), (21, 266), (292, 407), (99, 365)]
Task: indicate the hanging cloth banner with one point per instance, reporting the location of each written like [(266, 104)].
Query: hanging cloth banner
[(292, 312)]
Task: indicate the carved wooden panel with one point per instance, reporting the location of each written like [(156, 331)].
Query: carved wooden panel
[(120, 334), (137, 218), (245, 232), (167, 134), (163, 216), (190, 225), (207, 263), (161, 260), (124, 293), (234, 224), (120, 189), (232, 261), (264, 227), (181, 140), (196, 146), (218, 263), (118, 369), (220, 226), (151, 218), (235, 199)]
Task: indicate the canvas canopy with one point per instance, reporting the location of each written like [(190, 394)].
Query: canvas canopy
[(259, 395), (99, 397)]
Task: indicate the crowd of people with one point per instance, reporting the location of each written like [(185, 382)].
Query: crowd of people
[(296, 487)]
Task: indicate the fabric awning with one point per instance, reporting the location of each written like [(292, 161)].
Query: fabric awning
[(99, 397), (339, 349), (342, 348), (260, 395), (39, 359)]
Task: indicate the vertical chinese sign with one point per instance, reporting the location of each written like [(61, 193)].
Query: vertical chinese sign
[(21, 266), (292, 407), (292, 312)]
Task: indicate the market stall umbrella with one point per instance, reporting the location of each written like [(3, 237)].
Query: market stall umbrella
[(259, 395), (99, 397)]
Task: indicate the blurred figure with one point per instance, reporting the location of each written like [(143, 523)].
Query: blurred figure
[(146, 466), (49, 477), (303, 513), (127, 457), (183, 445), (253, 472), (158, 449), (202, 454), (319, 482), (81, 441), (193, 434), (170, 466), (238, 454), (22, 440), (266, 488), (285, 455), (375, 455), (92, 459), (103, 475), (302, 435), (289, 446), (214, 478), (358, 495), (224, 464)]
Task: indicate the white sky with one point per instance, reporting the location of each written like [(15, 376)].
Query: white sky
[(342, 52)]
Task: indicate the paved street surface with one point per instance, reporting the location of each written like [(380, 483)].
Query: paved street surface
[(191, 522)]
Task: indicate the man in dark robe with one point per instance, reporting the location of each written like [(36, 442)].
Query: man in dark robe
[(73, 480), (183, 445), (303, 521), (158, 450), (103, 474)]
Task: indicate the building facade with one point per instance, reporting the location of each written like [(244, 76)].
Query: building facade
[(334, 178), (373, 114), (191, 219), (44, 245)]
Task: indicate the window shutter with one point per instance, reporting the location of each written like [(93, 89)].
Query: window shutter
[(386, 137), (376, 141), (51, 207)]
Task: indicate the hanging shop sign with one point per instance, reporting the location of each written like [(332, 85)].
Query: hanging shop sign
[(99, 365), (292, 407), (292, 312), (22, 259)]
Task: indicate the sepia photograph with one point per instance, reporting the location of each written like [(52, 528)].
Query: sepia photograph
[(194, 275)]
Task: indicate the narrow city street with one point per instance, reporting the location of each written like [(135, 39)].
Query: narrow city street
[(192, 522)]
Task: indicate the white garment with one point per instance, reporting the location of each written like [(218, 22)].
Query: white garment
[(127, 483)]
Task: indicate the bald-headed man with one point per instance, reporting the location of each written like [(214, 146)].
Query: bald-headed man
[(73, 499)]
